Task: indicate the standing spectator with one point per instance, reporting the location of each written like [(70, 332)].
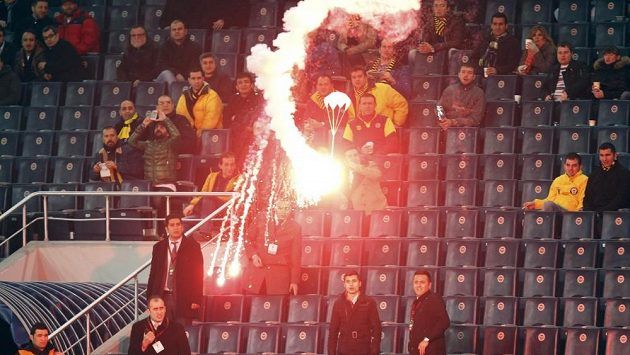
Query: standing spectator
[(177, 55), (201, 105), (388, 69), (11, 16), (38, 20), (464, 103), (608, 187), (568, 79), (79, 28), (27, 59), (566, 192), (539, 54), (188, 138), (499, 51), (355, 327), (138, 61), (40, 343), (218, 82), (389, 102), (365, 192), (370, 132), (10, 89), (612, 72), (115, 161), (355, 41), (62, 61), (443, 30), (176, 273), (429, 319), (274, 250), (7, 49), (223, 180)]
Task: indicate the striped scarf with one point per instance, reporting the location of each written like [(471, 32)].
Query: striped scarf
[(125, 131), (359, 92), (319, 100), (376, 66), (440, 25)]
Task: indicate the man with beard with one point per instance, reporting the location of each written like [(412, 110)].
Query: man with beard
[(201, 105), (112, 163), (188, 139), (37, 20), (241, 112), (78, 27)]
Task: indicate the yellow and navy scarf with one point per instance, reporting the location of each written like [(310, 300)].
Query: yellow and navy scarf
[(440, 25), (125, 131)]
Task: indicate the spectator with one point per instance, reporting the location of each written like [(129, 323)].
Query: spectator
[(27, 59), (499, 51), (62, 61), (11, 16), (116, 161), (612, 72), (160, 153), (370, 132), (429, 319), (201, 105), (138, 61), (442, 31), (10, 88), (388, 69), (79, 28), (313, 117), (274, 250), (177, 55), (539, 54), (464, 102), (323, 56), (188, 138), (566, 193), (7, 49), (568, 79), (608, 187), (389, 102), (355, 41), (242, 110), (128, 120), (218, 82), (40, 344), (355, 326), (365, 192), (218, 181), (38, 20)]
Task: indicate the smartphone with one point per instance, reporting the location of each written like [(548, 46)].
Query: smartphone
[(152, 115), (439, 110)]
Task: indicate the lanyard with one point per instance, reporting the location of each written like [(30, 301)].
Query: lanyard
[(154, 330)]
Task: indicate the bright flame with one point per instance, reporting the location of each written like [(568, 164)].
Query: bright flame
[(235, 268), (315, 175), (220, 281)]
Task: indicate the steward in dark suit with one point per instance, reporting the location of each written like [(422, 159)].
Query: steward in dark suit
[(429, 319), (177, 276)]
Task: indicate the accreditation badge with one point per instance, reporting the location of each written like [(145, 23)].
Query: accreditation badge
[(272, 249), (158, 347)]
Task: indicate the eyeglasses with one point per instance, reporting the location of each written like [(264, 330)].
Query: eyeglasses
[(50, 36), (138, 34)]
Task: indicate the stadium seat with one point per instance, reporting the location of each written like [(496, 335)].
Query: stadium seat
[(536, 113), (573, 139), (387, 306), (71, 143), (90, 225), (10, 117), (225, 308), (499, 140), (579, 312), (461, 252), (587, 163), (499, 310), (389, 337), (498, 193), (60, 203), (96, 202), (382, 251), (538, 282), (579, 254), (499, 339), (254, 36), (508, 8), (575, 33), (615, 254), (460, 223), (460, 193), (613, 113), (198, 36), (460, 281), (581, 340), (227, 64), (498, 166), (501, 87), (539, 224), (534, 189), (461, 309), (226, 41), (536, 140), (577, 225), (461, 140), (423, 223), (111, 63), (67, 170), (426, 87), (616, 283), (422, 193), (573, 10), (424, 140), (41, 118), (263, 14), (609, 10), (312, 251), (113, 93), (458, 57), (501, 253), (311, 222), (158, 36), (6, 176), (392, 191), (346, 223), (106, 116), (76, 117), (423, 252), (461, 339), (501, 223), (9, 143), (335, 280), (430, 63), (532, 85), (616, 313), (147, 93), (134, 201), (422, 114), (539, 340), (151, 16), (381, 280), (304, 309), (616, 341), (215, 141), (579, 282), (499, 282), (459, 166), (223, 338), (266, 308), (346, 251), (301, 339), (37, 143), (423, 167), (540, 253), (122, 17), (20, 191), (540, 311), (390, 166), (262, 339), (610, 34), (574, 113), (97, 11), (116, 44), (45, 94), (618, 136), (80, 94), (310, 280)]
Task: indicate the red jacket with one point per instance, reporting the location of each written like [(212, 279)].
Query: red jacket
[(80, 30)]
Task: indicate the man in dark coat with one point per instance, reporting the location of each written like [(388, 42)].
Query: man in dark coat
[(608, 186), (355, 327), (187, 137), (7, 49), (499, 52), (574, 83), (612, 72), (37, 20), (219, 82), (138, 61), (157, 334), (429, 319), (62, 60), (177, 272), (177, 55)]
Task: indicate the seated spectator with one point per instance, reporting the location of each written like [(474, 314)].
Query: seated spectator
[(370, 132), (608, 187), (128, 120), (7, 49), (568, 79), (27, 59), (62, 61), (313, 117), (39, 344), (323, 56), (566, 193), (79, 28), (464, 103), (442, 31), (10, 88), (201, 105), (115, 162), (177, 55), (365, 192), (389, 102), (37, 20), (242, 110), (539, 54), (218, 82), (188, 138), (138, 61), (355, 41), (611, 78), (499, 51), (388, 69), (223, 180)]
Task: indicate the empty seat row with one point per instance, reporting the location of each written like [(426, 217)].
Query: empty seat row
[(535, 11)]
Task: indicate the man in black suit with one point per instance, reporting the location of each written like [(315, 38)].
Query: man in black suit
[(429, 319), (177, 272), (156, 334)]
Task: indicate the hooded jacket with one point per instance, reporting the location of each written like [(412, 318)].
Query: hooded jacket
[(389, 102), (614, 78), (566, 192), (204, 113), (80, 30)]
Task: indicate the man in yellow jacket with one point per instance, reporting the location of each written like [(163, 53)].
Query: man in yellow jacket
[(566, 193), (201, 105), (218, 181), (389, 102)]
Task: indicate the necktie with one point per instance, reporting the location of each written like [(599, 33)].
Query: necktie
[(171, 269)]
